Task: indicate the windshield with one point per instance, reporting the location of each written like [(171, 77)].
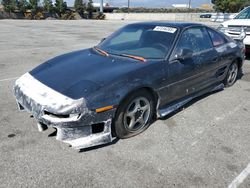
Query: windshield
[(146, 41), (245, 14)]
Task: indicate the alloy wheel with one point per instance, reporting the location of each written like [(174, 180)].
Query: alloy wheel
[(232, 73), (137, 114)]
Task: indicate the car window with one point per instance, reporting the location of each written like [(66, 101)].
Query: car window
[(217, 39), (195, 39), (245, 14), (147, 41), (127, 37)]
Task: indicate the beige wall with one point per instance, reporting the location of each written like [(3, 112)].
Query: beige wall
[(155, 16)]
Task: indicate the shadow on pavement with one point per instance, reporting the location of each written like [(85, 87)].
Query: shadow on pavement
[(189, 104), (100, 146)]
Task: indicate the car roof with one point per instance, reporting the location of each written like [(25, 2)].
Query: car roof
[(180, 25)]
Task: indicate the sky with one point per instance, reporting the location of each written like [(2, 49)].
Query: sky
[(149, 3)]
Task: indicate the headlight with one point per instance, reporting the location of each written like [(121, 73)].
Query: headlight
[(242, 34), (222, 29), (220, 26), (72, 116)]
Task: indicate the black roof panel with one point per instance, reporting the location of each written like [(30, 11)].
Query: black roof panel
[(180, 25)]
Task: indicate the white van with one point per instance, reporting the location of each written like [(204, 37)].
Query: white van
[(242, 20)]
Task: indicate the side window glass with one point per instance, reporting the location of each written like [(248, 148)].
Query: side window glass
[(217, 39), (195, 39)]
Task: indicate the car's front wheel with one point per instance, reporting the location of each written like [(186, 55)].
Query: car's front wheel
[(134, 115), (232, 74)]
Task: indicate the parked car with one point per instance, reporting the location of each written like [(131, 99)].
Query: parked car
[(232, 27), (205, 15), (116, 88)]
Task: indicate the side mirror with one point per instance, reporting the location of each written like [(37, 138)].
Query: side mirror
[(183, 54)]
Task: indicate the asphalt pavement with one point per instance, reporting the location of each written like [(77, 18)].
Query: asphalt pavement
[(206, 144)]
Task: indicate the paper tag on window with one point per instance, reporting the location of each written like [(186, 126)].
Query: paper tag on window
[(165, 29)]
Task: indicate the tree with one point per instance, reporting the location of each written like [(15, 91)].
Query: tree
[(9, 5), (247, 3), (90, 8), (60, 7), (34, 5), (80, 6), (229, 5), (48, 6), (22, 5)]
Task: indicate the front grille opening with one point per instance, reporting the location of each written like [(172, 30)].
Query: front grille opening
[(234, 33), (20, 106), (97, 128), (42, 126), (55, 115)]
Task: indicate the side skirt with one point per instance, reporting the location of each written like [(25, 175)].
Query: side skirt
[(168, 109)]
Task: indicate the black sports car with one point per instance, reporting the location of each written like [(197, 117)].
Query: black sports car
[(205, 15), (114, 89)]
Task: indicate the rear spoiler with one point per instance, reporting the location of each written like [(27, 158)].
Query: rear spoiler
[(239, 33)]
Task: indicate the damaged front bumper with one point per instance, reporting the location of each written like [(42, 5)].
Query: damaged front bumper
[(75, 123)]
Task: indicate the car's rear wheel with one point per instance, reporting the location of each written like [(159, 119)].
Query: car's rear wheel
[(232, 74), (134, 115)]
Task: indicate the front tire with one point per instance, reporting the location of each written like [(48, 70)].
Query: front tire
[(134, 115), (232, 74)]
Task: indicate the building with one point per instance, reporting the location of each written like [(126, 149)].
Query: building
[(181, 6), (106, 7), (1, 7), (97, 5), (207, 7)]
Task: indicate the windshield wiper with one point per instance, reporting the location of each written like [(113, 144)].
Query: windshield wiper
[(101, 51), (134, 57)]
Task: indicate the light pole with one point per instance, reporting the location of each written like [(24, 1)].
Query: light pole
[(189, 5), (101, 6), (128, 5)]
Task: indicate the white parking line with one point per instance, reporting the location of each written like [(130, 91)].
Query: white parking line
[(8, 79), (240, 178)]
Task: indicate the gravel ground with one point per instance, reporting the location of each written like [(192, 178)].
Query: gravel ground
[(204, 145)]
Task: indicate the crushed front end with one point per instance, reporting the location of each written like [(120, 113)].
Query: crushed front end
[(76, 124)]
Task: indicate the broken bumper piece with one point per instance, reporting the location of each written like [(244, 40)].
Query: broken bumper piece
[(75, 123)]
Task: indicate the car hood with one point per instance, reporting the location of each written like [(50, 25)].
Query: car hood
[(78, 74), (237, 22)]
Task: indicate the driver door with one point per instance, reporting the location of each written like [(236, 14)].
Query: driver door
[(185, 73)]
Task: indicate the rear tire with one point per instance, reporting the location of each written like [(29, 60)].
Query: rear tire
[(232, 74), (134, 114)]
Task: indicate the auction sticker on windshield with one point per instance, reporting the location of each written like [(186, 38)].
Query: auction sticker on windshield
[(165, 29)]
